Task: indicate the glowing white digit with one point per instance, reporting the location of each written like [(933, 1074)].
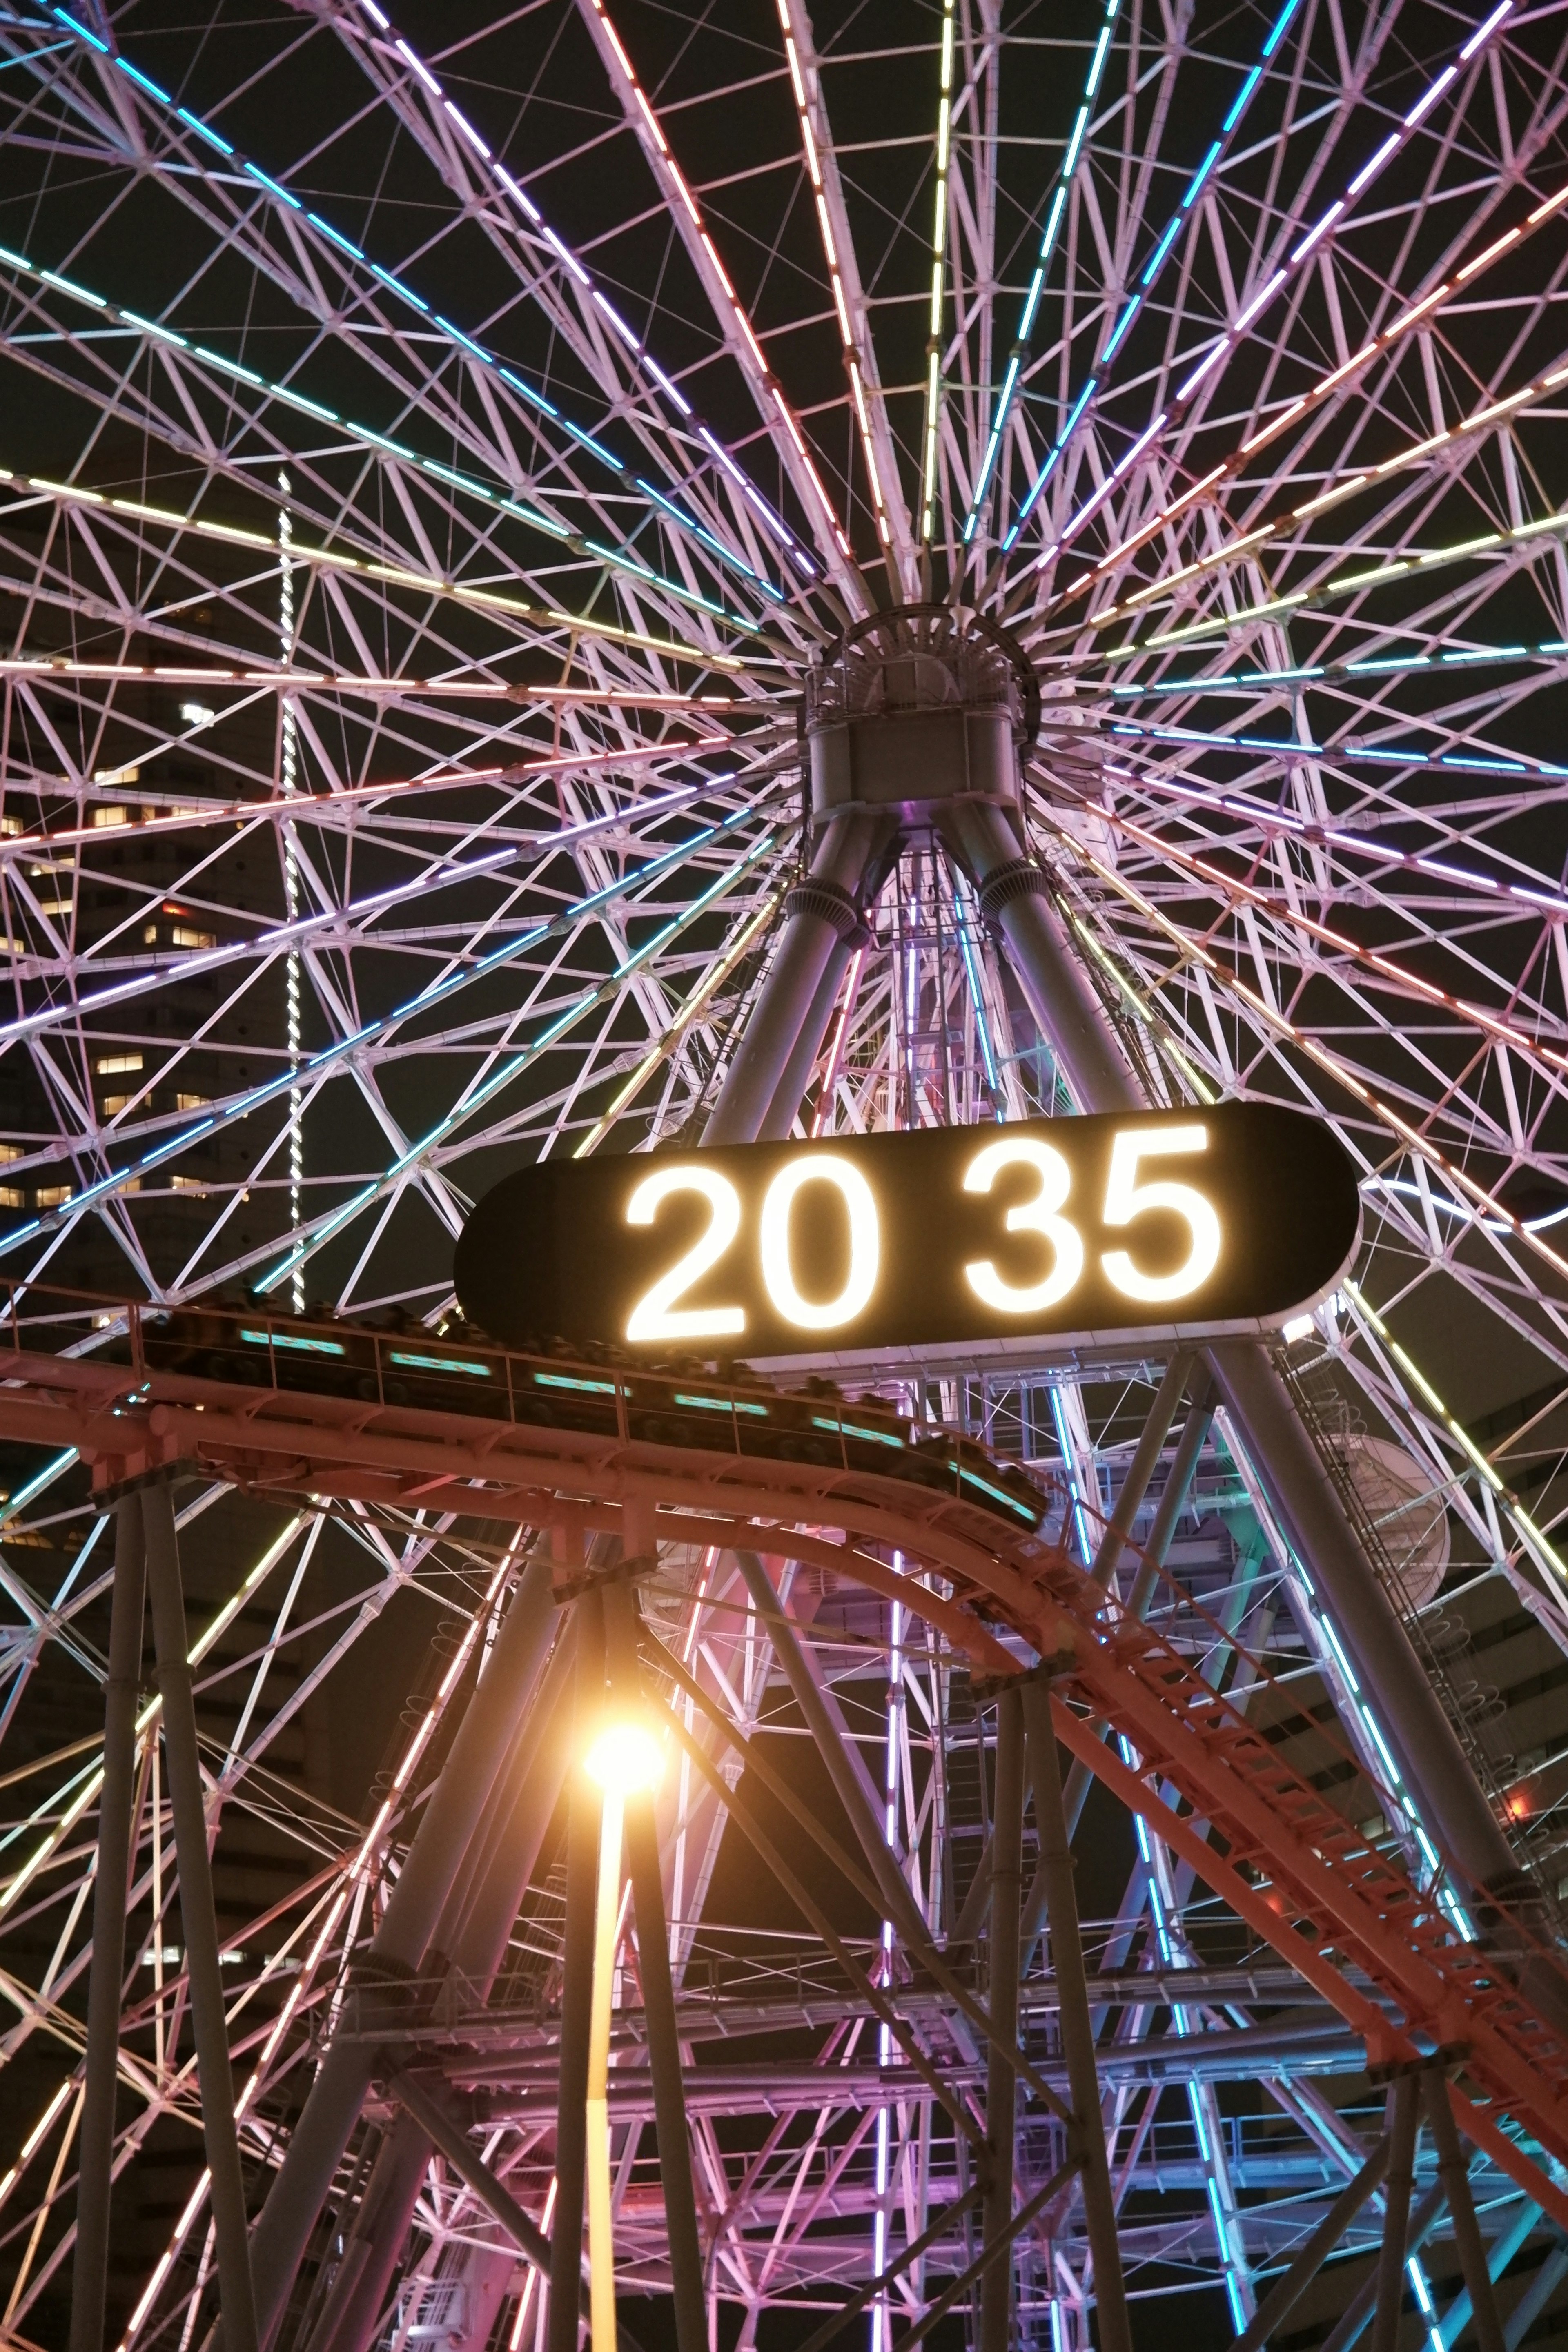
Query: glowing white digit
[(656, 1314), (864, 1243), (1035, 1216), (1125, 1199)]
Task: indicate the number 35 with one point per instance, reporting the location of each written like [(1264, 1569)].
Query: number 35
[(1125, 1200)]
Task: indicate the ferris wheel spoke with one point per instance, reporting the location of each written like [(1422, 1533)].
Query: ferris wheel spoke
[(557, 277), (820, 157), (1330, 235), (780, 422), (503, 392)]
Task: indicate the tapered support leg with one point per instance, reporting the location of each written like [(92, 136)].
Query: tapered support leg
[(1002, 2081), (1404, 2127), (821, 913), (1455, 2175), (659, 2003), (1077, 2031), (198, 1920), (1015, 896), (796, 1075), (90, 2275), (576, 1992)]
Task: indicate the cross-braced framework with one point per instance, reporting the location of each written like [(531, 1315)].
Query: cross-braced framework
[(456, 479)]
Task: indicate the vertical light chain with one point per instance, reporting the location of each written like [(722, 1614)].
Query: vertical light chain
[(938, 275), (289, 780), (882, 2316)]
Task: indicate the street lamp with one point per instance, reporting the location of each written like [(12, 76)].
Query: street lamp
[(626, 1760)]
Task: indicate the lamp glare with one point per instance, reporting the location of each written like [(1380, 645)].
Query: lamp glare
[(625, 1760)]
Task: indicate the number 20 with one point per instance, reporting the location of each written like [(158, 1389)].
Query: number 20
[(656, 1314)]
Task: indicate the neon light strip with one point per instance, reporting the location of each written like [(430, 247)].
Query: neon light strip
[(158, 977), (320, 681), (1279, 747), (1347, 584), (1071, 158), (1194, 951), (750, 932), (1414, 454), (1527, 1528), (721, 286), (1270, 820), (1076, 522), (441, 1364), (836, 278), (1241, 893), (1228, 342), (938, 275), (453, 336), (776, 526), (484, 600), (1167, 243), (378, 444), (186, 819), (1392, 665), (316, 1235), (436, 991)]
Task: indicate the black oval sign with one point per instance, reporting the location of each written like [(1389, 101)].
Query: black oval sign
[(1187, 1224)]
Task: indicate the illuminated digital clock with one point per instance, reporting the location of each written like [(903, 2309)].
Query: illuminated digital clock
[(1194, 1222)]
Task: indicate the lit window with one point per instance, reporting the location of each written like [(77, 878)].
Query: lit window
[(53, 1196), (149, 936), (11, 826), (115, 814), (183, 937), (11, 1151), (116, 1066), (55, 905), (197, 714), (12, 1197), (113, 1103), (192, 1102), (188, 1183)]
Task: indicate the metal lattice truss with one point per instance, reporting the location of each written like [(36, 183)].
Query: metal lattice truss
[(428, 476)]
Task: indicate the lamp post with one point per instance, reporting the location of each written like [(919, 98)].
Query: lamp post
[(625, 1759)]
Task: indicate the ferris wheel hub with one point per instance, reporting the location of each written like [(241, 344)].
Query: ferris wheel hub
[(916, 709)]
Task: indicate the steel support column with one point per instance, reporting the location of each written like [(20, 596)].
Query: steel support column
[(1014, 895), (198, 1919), (1002, 2079), (1073, 2011), (1454, 2173), (795, 1076), (89, 2274), (821, 915), (444, 2130), (474, 1925), (576, 1989), (641, 1835), (1403, 2124), (1282, 2298), (453, 1815), (1347, 2330), (1146, 1583), (1536, 2296), (1140, 1469), (842, 1759)]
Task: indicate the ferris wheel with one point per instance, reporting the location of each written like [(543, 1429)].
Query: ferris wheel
[(464, 490)]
